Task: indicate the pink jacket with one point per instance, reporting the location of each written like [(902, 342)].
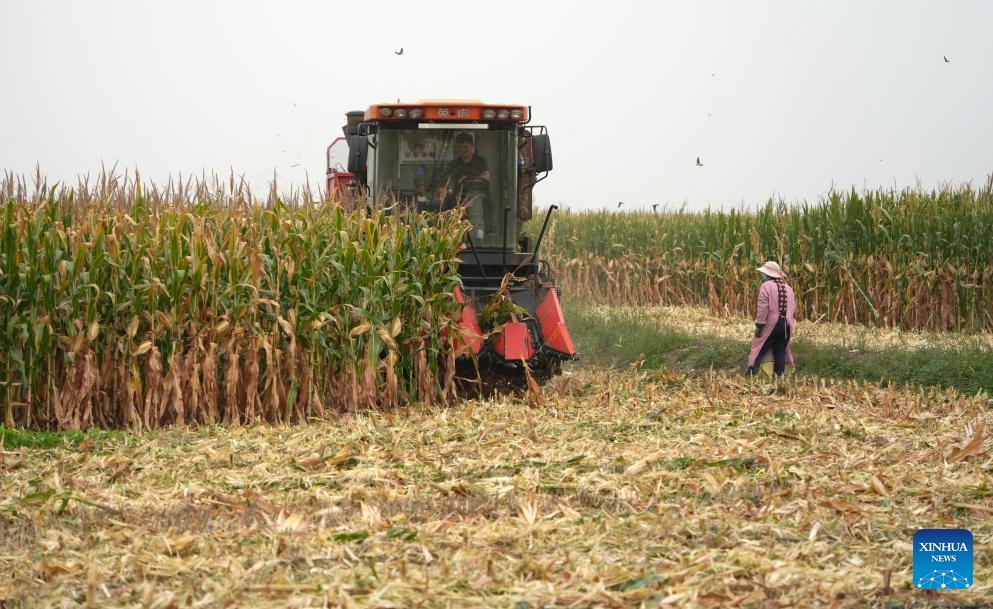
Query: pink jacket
[(768, 314)]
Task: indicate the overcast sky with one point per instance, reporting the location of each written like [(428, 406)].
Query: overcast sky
[(781, 99)]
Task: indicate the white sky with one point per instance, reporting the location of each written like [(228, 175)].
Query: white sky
[(778, 98)]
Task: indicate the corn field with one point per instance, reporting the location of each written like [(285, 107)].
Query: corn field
[(912, 259), (126, 306)]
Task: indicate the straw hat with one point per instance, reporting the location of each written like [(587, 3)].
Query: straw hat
[(771, 268)]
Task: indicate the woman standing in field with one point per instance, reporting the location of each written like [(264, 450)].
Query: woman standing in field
[(774, 321)]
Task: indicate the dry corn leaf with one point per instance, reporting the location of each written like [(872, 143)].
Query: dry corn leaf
[(843, 506), (878, 486), (384, 335), (346, 452), (93, 331), (178, 545), (55, 568), (293, 523), (638, 467), (360, 329), (528, 511), (535, 396), (973, 448)]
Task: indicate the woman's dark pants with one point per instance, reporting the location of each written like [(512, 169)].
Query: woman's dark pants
[(777, 341)]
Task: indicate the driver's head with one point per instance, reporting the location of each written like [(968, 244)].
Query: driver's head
[(464, 141)]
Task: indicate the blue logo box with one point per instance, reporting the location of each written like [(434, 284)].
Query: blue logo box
[(943, 559)]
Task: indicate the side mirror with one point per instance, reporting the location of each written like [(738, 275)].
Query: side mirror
[(541, 147), (358, 153)]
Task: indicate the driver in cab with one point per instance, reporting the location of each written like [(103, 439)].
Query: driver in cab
[(468, 181)]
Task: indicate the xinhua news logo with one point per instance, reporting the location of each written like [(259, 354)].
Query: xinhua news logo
[(943, 559)]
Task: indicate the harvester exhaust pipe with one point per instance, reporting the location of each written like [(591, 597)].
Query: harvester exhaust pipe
[(352, 120)]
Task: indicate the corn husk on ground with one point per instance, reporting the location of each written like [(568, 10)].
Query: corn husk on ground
[(623, 489), (124, 306)]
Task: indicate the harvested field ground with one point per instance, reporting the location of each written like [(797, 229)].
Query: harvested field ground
[(623, 489), (699, 320)]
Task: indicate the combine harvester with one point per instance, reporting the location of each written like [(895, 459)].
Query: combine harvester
[(435, 155)]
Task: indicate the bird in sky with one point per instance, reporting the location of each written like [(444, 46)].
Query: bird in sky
[(619, 203), (655, 208), (945, 57), (698, 163), (400, 52)]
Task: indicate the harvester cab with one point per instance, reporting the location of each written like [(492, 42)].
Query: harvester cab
[(485, 159)]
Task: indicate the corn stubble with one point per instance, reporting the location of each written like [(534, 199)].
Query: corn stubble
[(626, 488), (127, 306)]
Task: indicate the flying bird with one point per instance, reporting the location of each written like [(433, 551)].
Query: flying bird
[(945, 58), (400, 52), (655, 207), (619, 203), (698, 163)]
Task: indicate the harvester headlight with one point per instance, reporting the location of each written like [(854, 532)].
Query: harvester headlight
[(503, 114), (516, 115), (489, 114), (384, 112), (416, 113), (400, 113)]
